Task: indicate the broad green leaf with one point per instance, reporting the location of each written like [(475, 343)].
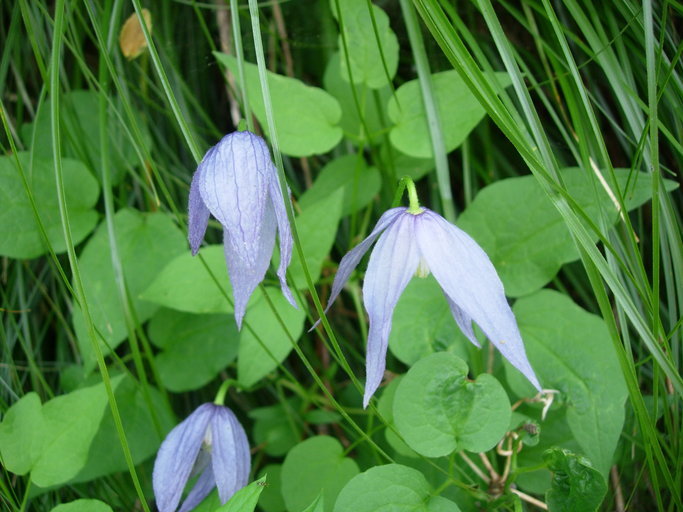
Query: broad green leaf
[(271, 499), (276, 427), (245, 499), (19, 233), (56, 435), (369, 51), (105, 455), (83, 506), (255, 360), (459, 113), (186, 285), (359, 182), (571, 351), (317, 227), (436, 331), (576, 484), (195, 347), (437, 410), (21, 439), (306, 118), (372, 103), (525, 236), (79, 113), (146, 242), (385, 406), (391, 488), (317, 464)]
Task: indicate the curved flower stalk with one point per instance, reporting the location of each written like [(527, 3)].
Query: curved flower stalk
[(237, 183), (417, 240), (210, 442)]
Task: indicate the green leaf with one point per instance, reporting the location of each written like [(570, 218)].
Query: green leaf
[(571, 351), (437, 410), (359, 182), (246, 498), (271, 499), (21, 440), (369, 51), (186, 285), (317, 464), (79, 114), (83, 506), (57, 436), (385, 406), (391, 488), (436, 331), (255, 360), (525, 236), (146, 242), (317, 228), (195, 347), (276, 427), (576, 485), (19, 233), (372, 104), (459, 113), (306, 117)]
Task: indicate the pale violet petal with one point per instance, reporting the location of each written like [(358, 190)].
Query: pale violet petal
[(463, 320), (470, 281), (350, 261), (284, 233), (245, 276), (392, 264), (202, 487), (233, 183), (176, 458), (229, 453), (198, 214)]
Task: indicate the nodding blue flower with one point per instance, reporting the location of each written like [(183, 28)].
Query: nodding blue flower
[(420, 242), (238, 184), (210, 442)]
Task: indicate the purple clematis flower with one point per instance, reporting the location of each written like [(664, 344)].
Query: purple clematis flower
[(238, 184), (210, 441), (419, 243)]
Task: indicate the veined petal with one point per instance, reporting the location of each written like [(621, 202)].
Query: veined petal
[(284, 233), (233, 183), (392, 264), (245, 275), (176, 458), (351, 259), (463, 320), (205, 483), (470, 281), (198, 214), (230, 455)]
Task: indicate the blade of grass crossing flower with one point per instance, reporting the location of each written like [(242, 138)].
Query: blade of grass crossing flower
[(260, 60), (55, 65), (425, 79), (170, 96)]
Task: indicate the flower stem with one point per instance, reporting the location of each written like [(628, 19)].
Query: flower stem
[(223, 390), (414, 204)]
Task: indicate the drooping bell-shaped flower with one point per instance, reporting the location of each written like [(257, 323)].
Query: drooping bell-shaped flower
[(238, 184), (417, 240), (210, 442)]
